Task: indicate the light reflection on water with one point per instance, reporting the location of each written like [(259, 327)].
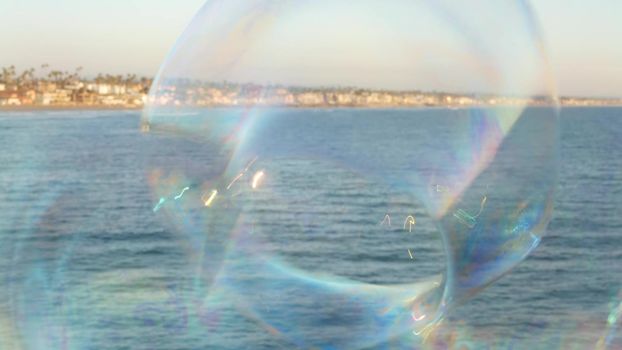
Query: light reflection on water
[(86, 263)]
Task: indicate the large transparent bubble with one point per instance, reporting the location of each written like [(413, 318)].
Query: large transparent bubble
[(345, 172)]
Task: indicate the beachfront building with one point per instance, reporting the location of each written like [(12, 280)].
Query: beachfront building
[(107, 89), (86, 97), (466, 101), (44, 99), (9, 99), (379, 99), (311, 99), (343, 98), (28, 97), (46, 86)]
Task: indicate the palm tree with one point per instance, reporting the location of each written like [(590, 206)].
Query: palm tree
[(66, 78), (32, 76), (44, 68), (99, 79), (8, 75), (27, 78), (76, 75), (56, 76), (130, 78), (5, 75), (21, 79)]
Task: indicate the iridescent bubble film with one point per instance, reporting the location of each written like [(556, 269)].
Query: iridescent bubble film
[(331, 203), (314, 174)]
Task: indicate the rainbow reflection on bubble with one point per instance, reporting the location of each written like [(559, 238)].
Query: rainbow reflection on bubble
[(283, 206)]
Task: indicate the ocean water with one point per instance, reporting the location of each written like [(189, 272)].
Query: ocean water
[(85, 263)]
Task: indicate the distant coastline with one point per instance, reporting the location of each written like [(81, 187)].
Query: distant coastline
[(69, 91), (34, 108), (137, 108)]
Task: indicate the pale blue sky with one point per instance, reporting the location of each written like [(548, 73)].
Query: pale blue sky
[(134, 36)]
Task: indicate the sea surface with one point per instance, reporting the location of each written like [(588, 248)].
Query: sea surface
[(87, 263)]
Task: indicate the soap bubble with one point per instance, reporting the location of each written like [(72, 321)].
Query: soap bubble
[(317, 189)]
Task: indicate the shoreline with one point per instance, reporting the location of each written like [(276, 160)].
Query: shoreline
[(35, 108), (32, 108)]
